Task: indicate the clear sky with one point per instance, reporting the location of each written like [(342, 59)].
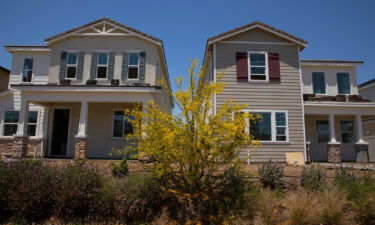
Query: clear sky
[(335, 29)]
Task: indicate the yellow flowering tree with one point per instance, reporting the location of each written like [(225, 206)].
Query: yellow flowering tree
[(196, 145)]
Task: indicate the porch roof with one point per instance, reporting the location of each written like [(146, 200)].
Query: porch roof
[(340, 108)]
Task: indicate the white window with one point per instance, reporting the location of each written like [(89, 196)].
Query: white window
[(347, 131), (32, 123), (133, 65), (10, 123), (27, 72), (122, 125), (71, 65), (272, 127), (322, 131), (102, 65), (319, 84), (258, 66)]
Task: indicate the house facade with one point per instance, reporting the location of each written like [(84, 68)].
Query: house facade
[(311, 109), (67, 98)]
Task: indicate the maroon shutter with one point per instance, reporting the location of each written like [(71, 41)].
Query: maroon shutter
[(241, 65), (274, 66)]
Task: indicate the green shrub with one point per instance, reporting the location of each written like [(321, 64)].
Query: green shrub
[(313, 177), (76, 188), (334, 207), (364, 209), (344, 176), (121, 169), (270, 175)]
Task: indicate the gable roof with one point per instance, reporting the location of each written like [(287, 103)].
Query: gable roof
[(257, 24), (367, 84), (75, 30), (4, 69)]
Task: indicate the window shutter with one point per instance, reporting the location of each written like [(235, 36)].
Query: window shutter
[(62, 65), (124, 72), (94, 61), (274, 66), (142, 66), (111, 62), (241, 66), (80, 65)]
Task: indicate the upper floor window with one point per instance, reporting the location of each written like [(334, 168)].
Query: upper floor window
[(343, 83), (319, 84), (102, 70), (10, 124), (258, 66), (71, 65), (27, 73), (122, 125), (133, 66), (322, 131), (347, 131), (32, 122), (271, 127)]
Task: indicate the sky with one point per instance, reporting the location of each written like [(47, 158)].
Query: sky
[(334, 29)]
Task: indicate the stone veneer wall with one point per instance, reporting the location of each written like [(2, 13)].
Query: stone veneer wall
[(20, 147), (34, 148), (334, 153), (80, 148)]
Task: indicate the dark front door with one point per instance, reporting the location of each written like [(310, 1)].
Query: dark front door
[(60, 131)]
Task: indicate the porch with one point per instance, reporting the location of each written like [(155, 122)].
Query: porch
[(334, 132), (80, 124)]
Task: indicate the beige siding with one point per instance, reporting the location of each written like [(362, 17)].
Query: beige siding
[(285, 95), (368, 92), (119, 45), (330, 75), (256, 35)]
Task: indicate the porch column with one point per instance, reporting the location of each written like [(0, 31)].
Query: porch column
[(21, 138), (359, 130), (333, 147), (80, 147)]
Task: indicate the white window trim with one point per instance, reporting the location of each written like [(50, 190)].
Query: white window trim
[(353, 132), (102, 65), (134, 66), (273, 125), (32, 71), (316, 131), (3, 122), (37, 123), (325, 83), (113, 123), (337, 84), (249, 66), (71, 65)]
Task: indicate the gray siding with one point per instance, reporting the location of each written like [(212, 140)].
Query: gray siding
[(285, 95)]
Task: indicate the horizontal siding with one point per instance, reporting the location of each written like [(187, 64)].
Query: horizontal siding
[(285, 95)]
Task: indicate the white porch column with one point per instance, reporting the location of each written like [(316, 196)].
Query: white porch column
[(332, 131), (359, 130), (82, 127), (22, 120)]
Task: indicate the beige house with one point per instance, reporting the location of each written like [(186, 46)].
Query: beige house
[(311, 108), (67, 98)]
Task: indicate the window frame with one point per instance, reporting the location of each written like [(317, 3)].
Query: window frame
[(113, 124), (102, 65), (32, 70), (325, 83), (134, 66), (3, 123), (352, 132), (337, 83), (36, 123), (316, 131), (273, 125), (71, 65), (266, 66)]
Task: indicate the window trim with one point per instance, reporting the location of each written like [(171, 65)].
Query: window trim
[(316, 131), (325, 83), (113, 123), (97, 65), (337, 83), (133, 66), (3, 122), (273, 125), (67, 65), (353, 131), (249, 66), (32, 71), (37, 123)]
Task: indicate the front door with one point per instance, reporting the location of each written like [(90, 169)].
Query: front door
[(60, 132)]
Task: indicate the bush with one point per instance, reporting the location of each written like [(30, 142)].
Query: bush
[(270, 175), (302, 209), (313, 177), (139, 199), (120, 170), (76, 188), (268, 208), (26, 187), (364, 209), (343, 176), (334, 207)]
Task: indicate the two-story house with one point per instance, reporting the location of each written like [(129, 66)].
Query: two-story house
[(310, 109), (67, 98)]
